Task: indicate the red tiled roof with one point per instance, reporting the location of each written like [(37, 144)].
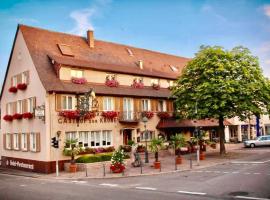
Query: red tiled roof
[(105, 56), (174, 123)]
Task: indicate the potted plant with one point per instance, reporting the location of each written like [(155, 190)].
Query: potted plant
[(163, 115), (8, 118), (178, 141), (21, 86), (117, 165), (155, 145), (148, 114), (72, 149)]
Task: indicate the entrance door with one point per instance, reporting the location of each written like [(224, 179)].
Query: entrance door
[(128, 109), (127, 135)]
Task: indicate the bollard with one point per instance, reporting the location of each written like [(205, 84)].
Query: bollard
[(190, 162), (86, 173), (104, 173), (141, 167), (160, 168), (123, 173), (175, 165)]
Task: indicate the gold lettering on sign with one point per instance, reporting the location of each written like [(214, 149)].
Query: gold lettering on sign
[(83, 121)]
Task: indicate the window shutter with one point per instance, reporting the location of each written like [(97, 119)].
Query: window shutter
[(19, 78), (11, 81), (28, 141), (117, 104), (121, 104), (100, 103), (14, 107), (137, 104), (34, 102), (37, 142), (4, 141), (58, 103), (11, 141), (27, 77), (169, 106), (153, 103), (19, 141)]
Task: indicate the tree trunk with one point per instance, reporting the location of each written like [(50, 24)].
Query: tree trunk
[(156, 156), (221, 135)]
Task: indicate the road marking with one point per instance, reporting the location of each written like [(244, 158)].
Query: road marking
[(22, 185), (208, 171), (196, 193), (256, 173), (247, 173), (217, 171), (235, 172), (108, 184), (225, 172), (248, 162), (146, 188), (245, 197)]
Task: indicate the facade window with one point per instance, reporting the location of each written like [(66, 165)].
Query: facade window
[(146, 106), (76, 73), (24, 141), (70, 136), (171, 83), (83, 138), (14, 81), (33, 139), (147, 135), (19, 106), (8, 141), (154, 81), (110, 77), (16, 141), (25, 77), (138, 80), (67, 103), (30, 105), (108, 104), (106, 138), (162, 106)]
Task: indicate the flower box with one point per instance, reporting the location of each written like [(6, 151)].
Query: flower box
[(70, 114), (13, 89), (78, 80), (163, 115), (148, 114), (117, 167), (112, 83), (17, 116), (109, 114), (27, 115), (8, 118), (137, 85), (89, 115), (156, 86), (21, 86)]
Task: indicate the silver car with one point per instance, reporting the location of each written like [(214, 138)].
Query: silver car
[(259, 141)]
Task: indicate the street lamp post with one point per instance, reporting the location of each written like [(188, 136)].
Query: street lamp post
[(145, 120)]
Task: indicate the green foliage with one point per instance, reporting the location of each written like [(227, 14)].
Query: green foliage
[(71, 149), (131, 142), (118, 157), (178, 141), (96, 158), (222, 83), (156, 144)]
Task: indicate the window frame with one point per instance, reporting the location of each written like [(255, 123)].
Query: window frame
[(145, 102), (33, 142), (23, 141), (19, 106), (106, 103), (164, 105), (14, 81), (65, 103), (76, 75)]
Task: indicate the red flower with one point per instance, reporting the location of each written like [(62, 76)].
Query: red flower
[(117, 167), (27, 115), (138, 85), (156, 86), (21, 86), (8, 118), (147, 114), (78, 80), (111, 83), (17, 116), (163, 115), (89, 115), (12, 89), (70, 114), (109, 114)]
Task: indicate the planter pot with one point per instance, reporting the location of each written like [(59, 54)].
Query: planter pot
[(178, 160), (202, 156), (116, 171), (72, 168), (157, 165), (214, 146)]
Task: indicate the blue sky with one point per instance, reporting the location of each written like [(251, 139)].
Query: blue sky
[(176, 26)]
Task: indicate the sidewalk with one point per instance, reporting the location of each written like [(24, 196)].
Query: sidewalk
[(235, 152)]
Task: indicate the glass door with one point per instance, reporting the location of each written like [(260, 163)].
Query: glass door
[(128, 109)]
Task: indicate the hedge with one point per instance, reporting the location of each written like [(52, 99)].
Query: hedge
[(96, 158)]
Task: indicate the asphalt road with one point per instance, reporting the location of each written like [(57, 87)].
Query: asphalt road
[(248, 179)]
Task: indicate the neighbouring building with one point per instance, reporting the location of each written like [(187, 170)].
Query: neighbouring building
[(48, 73)]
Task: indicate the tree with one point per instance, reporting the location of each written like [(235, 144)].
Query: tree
[(222, 84), (178, 141)]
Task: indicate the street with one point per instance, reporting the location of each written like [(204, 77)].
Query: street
[(242, 179)]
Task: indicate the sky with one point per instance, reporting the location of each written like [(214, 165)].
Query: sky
[(176, 27)]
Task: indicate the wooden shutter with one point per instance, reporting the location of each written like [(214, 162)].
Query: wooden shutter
[(7, 109), (4, 141), (11, 141), (37, 142), (19, 78), (19, 141), (25, 105), (100, 103), (58, 101), (137, 103), (14, 107), (34, 102), (28, 141), (153, 105), (169, 106)]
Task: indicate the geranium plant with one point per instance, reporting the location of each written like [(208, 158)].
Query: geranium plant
[(112, 83), (156, 86), (13, 89), (117, 165), (163, 115), (70, 114), (109, 114), (27, 115), (148, 114), (137, 84), (78, 80), (21, 86), (17, 116), (8, 118)]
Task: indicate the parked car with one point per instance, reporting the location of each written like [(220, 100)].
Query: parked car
[(259, 141)]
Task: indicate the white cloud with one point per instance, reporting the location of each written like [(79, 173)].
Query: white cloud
[(84, 17), (25, 20), (266, 10), (211, 11), (263, 52)]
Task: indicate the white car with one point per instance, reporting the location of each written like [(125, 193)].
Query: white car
[(259, 141)]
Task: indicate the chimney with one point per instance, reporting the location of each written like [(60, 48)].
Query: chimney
[(90, 38), (141, 64)]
